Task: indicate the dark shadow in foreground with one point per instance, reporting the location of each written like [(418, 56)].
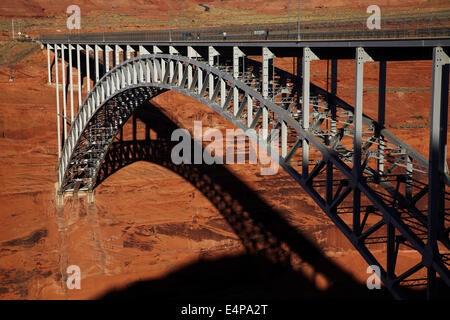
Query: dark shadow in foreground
[(267, 270)]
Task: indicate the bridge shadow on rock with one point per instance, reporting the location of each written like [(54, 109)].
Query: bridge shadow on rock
[(273, 246)]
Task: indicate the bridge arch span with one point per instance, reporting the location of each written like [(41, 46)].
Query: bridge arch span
[(309, 148), (144, 77)]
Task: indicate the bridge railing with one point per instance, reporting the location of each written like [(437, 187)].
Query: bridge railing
[(398, 27)]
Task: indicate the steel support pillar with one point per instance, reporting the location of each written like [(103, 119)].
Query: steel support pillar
[(200, 81), (97, 68), (79, 76), (58, 117), (172, 51), (361, 58), (308, 56), (129, 49), (63, 76), (333, 132), (284, 134), (391, 254), (192, 54), (249, 111), (97, 63), (212, 52), (70, 47), (299, 79), (117, 50), (128, 52), (180, 72), (267, 56), (49, 69), (88, 70), (437, 160), (237, 53), (334, 78), (103, 71), (108, 49), (381, 114)]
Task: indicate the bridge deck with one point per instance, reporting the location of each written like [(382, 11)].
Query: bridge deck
[(379, 50)]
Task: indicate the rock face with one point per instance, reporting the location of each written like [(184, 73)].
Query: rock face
[(44, 8), (151, 222)]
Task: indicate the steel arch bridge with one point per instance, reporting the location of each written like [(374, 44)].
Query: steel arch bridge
[(373, 186)]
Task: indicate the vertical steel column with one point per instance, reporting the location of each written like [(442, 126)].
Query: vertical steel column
[(129, 49), (79, 76), (189, 75), (408, 181), (334, 78), (123, 74), (333, 131), (117, 50), (223, 93), (267, 55), (134, 67), (189, 80), (390, 243), (200, 80), (192, 54), (97, 69), (63, 75), (103, 71), (299, 79), (116, 62), (88, 70), (437, 160), (361, 58), (212, 52), (97, 63), (283, 139), (71, 84), (163, 68), (157, 50), (175, 52), (381, 114), (265, 123), (107, 62), (180, 72), (249, 111), (58, 116), (308, 56), (49, 70), (237, 53)]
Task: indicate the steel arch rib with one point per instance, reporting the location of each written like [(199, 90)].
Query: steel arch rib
[(155, 78)]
